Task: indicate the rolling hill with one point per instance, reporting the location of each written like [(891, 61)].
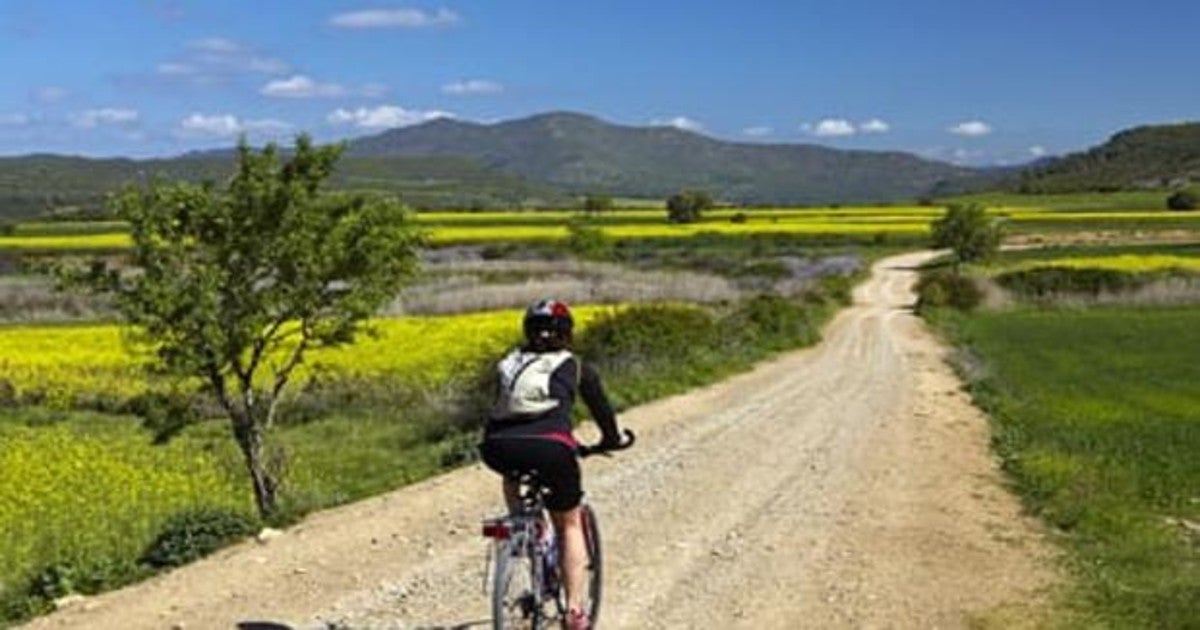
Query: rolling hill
[(582, 154), (51, 184), (1158, 156)]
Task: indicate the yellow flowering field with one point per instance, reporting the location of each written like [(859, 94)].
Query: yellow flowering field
[(80, 365), (446, 228), (1122, 262), (102, 497), (66, 242)]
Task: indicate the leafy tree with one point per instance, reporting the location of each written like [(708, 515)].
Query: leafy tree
[(233, 286), (1186, 199), (686, 206), (968, 232), (593, 204)]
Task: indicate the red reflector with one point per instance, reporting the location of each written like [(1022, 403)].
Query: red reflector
[(499, 531)]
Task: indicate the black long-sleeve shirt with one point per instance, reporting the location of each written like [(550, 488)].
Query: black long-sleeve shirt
[(556, 423)]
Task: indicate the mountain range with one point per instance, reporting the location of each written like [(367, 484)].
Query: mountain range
[(550, 159)]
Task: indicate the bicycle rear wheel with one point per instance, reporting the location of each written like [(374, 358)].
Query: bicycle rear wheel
[(595, 566), (515, 602)]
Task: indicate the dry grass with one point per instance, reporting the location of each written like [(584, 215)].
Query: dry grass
[(458, 287), (28, 300)]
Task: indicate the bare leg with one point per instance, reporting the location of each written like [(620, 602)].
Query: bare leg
[(573, 561)]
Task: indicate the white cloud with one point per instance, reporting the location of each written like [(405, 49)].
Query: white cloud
[(49, 94), (218, 45), (300, 86), (971, 129), (175, 69), (383, 117), (266, 126), (216, 60), (875, 125), (757, 132), (227, 125), (679, 122), (14, 120), (473, 86), (93, 118), (1038, 151), (832, 128), (216, 125), (395, 18)]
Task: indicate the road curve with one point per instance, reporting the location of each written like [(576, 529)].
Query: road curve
[(847, 485)]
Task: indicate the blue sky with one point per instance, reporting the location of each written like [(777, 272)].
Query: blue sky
[(972, 81)]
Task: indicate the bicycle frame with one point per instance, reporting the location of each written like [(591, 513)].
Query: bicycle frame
[(521, 535)]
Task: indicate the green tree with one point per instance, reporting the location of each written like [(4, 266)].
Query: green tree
[(594, 204), (233, 286), (1186, 199), (968, 232), (686, 206)]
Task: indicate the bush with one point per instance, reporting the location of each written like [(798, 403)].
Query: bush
[(644, 334), (597, 203), (589, 242), (687, 206), (738, 217), (194, 534), (770, 322), (940, 289), (968, 232), (1041, 282), (831, 290), (1186, 199)]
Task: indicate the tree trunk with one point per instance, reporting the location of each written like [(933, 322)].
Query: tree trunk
[(248, 434)]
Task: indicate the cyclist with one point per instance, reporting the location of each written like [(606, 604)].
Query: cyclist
[(529, 429)]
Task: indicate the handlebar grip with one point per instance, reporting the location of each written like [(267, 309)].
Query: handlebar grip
[(598, 449)]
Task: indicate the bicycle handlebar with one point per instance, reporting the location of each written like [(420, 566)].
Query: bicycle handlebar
[(600, 449)]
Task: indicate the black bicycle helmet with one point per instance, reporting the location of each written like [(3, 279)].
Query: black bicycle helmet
[(546, 319)]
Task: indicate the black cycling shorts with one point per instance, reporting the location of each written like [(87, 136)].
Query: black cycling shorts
[(553, 462)]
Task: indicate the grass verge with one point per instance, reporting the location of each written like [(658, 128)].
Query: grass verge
[(1097, 419)]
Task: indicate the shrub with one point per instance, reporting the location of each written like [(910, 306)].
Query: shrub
[(686, 206), (1186, 199), (1041, 282), (194, 534), (644, 334), (588, 242), (770, 321), (738, 217), (941, 289), (968, 232), (597, 203)]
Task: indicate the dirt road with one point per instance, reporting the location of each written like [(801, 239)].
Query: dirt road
[(849, 485)]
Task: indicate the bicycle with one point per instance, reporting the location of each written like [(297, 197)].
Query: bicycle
[(526, 580)]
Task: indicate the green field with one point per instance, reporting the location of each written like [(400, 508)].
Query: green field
[(1097, 418)]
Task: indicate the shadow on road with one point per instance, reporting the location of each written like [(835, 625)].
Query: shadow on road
[(275, 625), (271, 625), (467, 625)]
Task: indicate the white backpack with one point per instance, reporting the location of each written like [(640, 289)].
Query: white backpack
[(525, 383)]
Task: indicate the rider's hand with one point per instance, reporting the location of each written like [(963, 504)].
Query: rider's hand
[(610, 441)]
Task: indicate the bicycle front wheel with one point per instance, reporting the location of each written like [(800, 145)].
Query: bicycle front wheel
[(595, 566), (515, 601)]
